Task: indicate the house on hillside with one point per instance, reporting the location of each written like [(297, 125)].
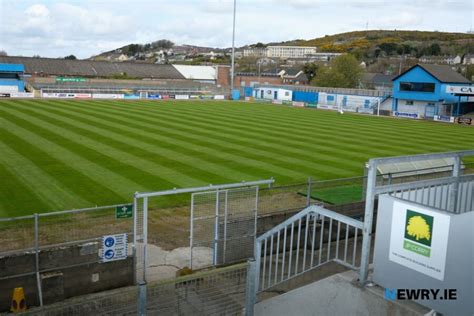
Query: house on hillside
[(448, 60), (295, 76), (468, 59)]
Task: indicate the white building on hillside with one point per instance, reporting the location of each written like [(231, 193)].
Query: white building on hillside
[(255, 52), (281, 52), (290, 51)]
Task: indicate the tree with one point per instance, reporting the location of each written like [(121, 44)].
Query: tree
[(70, 57), (164, 44), (343, 72), (470, 72), (310, 69), (132, 49), (3, 53), (435, 49), (389, 48)]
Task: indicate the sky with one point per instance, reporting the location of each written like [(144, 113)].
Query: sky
[(89, 27)]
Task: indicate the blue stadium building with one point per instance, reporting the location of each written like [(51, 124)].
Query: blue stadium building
[(423, 91), (11, 78)]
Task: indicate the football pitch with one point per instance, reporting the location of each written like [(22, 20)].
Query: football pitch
[(65, 154)]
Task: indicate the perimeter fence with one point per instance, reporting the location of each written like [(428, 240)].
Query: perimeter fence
[(57, 256)]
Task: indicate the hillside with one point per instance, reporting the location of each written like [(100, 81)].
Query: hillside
[(417, 43), (159, 51), (364, 44)]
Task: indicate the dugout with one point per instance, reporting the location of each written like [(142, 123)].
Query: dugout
[(272, 93), (417, 170), (11, 78)]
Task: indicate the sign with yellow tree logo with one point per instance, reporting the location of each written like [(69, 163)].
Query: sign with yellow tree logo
[(419, 238), (418, 233)]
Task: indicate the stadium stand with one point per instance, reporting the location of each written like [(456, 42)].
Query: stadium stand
[(88, 68), (85, 76)]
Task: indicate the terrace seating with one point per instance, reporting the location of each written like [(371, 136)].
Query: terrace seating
[(88, 68)]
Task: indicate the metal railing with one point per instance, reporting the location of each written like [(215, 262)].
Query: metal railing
[(449, 186), (305, 241), (440, 193)]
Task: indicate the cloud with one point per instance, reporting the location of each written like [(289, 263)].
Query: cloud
[(67, 28), (37, 11), (399, 21), (61, 27)]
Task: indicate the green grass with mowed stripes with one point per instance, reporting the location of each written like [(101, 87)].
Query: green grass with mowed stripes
[(62, 154)]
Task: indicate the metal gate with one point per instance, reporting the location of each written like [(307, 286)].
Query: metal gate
[(226, 222)]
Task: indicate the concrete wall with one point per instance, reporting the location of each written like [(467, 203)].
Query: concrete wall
[(84, 274)]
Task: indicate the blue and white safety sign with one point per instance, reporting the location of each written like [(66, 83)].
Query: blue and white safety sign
[(114, 247)]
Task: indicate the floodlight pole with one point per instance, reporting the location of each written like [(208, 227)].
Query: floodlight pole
[(233, 52)]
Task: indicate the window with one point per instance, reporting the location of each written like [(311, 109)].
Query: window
[(408, 102), (417, 86), (430, 104)]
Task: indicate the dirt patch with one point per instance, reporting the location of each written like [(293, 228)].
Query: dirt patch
[(163, 264)]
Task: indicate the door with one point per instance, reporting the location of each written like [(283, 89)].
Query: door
[(430, 110), (224, 221)]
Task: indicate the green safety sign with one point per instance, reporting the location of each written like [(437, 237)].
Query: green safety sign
[(125, 211), (70, 79)]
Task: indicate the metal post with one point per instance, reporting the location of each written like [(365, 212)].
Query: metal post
[(369, 213), (378, 107), (134, 245), (225, 227), (453, 196), (250, 287), (255, 216), (145, 235), (38, 276), (257, 251), (216, 229), (141, 308), (233, 51), (364, 180), (259, 73), (308, 193), (191, 232)]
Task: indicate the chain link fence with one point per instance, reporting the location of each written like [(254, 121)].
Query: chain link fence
[(54, 256), (214, 292)]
